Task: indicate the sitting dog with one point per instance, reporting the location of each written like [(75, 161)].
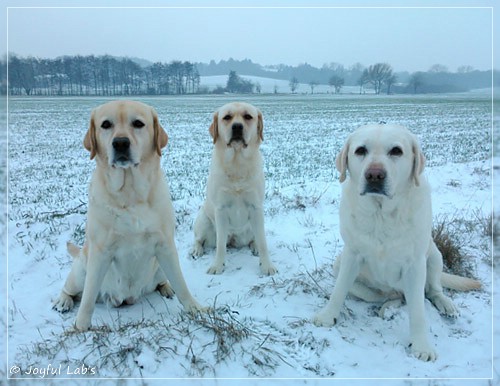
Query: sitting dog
[(386, 224), (233, 212), (129, 248)]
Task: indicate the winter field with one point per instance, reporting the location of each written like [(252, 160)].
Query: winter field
[(260, 326)]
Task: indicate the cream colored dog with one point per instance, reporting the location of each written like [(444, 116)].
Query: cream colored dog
[(386, 223), (129, 248), (233, 212)]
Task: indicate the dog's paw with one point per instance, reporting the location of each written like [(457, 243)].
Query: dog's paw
[(445, 306), (324, 319), (395, 303), (253, 248), (194, 307), (82, 323), (197, 250), (64, 304), (423, 351), (268, 269), (216, 269), (165, 290)]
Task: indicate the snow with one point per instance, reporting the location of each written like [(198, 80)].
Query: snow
[(261, 326)]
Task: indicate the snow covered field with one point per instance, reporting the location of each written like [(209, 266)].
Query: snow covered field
[(261, 325)]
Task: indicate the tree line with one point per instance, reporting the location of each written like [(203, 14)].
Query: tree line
[(377, 76), (99, 76), (111, 76)]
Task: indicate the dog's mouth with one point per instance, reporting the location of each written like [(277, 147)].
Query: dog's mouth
[(237, 142), (123, 161), (376, 190)]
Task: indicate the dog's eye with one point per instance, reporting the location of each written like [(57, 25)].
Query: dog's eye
[(247, 117), (396, 151), (106, 124), (227, 117), (361, 151), (138, 124)]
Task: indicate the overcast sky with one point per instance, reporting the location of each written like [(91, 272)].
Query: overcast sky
[(407, 38)]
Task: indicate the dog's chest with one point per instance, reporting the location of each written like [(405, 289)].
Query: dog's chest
[(385, 252), (238, 207), (131, 274), (135, 234), (136, 221), (385, 270)]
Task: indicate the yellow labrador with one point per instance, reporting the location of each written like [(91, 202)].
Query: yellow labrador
[(386, 223), (233, 211), (129, 248)]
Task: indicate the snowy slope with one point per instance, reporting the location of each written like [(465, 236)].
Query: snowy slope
[(269, 85)]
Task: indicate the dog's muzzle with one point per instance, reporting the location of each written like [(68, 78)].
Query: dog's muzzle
[(121, 152), (237, 135), (375, 181)]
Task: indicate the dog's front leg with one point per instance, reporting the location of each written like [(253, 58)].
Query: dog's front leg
[(168, 259), (97, 266), (348, 272), (434, 288), (221, 230), (257, 224), (72, 287), (415, 298)]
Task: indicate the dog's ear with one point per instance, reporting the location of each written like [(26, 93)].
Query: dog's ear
[(160, 137), (341, 161), (260, 125), (90, 140), (214, 127), (418, 160)]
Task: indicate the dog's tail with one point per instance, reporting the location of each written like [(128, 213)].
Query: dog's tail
[(459, 283), (73, 250)]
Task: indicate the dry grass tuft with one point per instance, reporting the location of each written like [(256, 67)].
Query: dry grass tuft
[(226, 329), (447, 235)]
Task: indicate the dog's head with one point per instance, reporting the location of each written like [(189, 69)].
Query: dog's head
[(381, 159), (124, 134), (237, 125)]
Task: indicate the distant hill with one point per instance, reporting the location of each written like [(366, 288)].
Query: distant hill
[(272, 85), (305, 74)]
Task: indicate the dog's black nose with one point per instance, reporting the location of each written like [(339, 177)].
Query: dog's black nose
[(237, 131), (121, 144)]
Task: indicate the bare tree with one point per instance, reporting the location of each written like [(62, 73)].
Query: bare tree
[(438, 68), (294, 84), (313, 85), (378, 74), (416, 81), (389, 82), (336, 82), (363, 79), (22, 74), (465, 69)]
